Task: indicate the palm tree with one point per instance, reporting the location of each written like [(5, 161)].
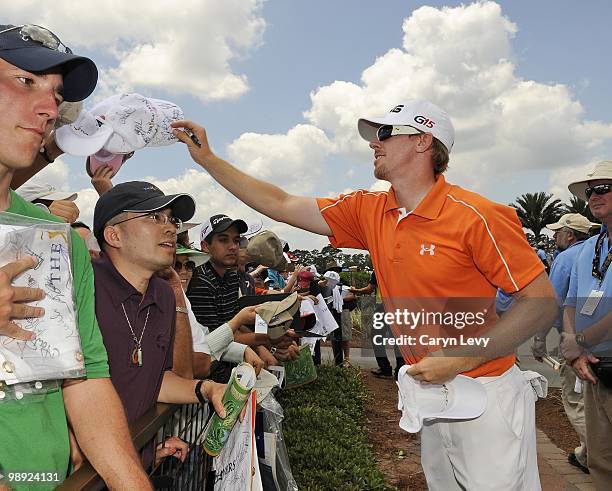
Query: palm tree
[(536, 210), (576, 205)]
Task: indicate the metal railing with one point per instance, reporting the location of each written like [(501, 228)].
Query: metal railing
[(163, 421)]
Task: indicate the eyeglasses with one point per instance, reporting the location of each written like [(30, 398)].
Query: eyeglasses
[(42, 35), (599, 189), (158, 217), (387, 131), (189, 266)]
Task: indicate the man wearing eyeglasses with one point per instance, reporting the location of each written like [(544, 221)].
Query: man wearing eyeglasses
[(37, 73), (430, 239), (587, 323), (136, 226)]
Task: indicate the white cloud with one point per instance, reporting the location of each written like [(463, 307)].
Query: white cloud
[(461, 59), (294, 160), (170, 47)]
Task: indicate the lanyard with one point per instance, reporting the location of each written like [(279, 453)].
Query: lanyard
[(600, 273)]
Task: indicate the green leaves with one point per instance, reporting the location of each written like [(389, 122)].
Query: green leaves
[(325, 433)]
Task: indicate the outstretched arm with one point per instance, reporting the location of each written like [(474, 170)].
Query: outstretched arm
[(301, 212)]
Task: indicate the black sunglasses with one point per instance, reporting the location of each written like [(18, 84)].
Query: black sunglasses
[(599, 189), (189, 265), (386, 131)]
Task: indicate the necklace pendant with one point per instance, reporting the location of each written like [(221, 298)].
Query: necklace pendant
[(137, 356)]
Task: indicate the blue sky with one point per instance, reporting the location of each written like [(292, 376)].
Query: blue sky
[(544, 111)]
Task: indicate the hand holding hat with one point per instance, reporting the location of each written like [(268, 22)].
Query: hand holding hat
[(460, 398), (437, 368)]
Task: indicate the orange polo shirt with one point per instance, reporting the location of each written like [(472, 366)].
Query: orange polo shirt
[(449, 254)]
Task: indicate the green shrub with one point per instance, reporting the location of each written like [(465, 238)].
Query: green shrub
[(325, 433)]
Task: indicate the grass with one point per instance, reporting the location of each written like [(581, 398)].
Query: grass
[(325, 433)]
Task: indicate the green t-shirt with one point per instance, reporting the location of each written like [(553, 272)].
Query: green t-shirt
[(33, 430)]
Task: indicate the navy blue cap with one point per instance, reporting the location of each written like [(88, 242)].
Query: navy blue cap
[(18, 48), (138, 196)]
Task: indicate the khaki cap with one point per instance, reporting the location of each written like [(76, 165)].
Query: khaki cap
[(279, 315), (266, 249), (603, 170), (575, 221)]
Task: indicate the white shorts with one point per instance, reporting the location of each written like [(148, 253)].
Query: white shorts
[(496, 451)]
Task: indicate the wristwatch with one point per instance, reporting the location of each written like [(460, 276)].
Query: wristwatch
[(581, 341), (182, 310)]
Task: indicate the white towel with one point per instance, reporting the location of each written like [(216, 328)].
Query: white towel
[(337, 301)]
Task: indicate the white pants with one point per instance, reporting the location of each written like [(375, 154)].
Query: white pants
[(496, 451)]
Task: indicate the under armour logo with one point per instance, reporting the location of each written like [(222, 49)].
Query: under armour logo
[(430, 249)]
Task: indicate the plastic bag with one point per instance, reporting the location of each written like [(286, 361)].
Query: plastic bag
[(274, 464), (56, 352)]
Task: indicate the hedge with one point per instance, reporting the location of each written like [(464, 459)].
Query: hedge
[(325, 433)]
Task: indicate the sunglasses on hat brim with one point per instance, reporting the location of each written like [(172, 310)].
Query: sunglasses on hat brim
[(386, 131), (599, 189)]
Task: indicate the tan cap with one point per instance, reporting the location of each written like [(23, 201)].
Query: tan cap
[(575, 221), (279, 315), (266, 249), (603, 170)]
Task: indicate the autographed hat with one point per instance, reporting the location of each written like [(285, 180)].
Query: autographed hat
[(34, 189), (266, 249), (121, 124), (220, 223), (279, 315), (575, 221), (603, 170), (138, 196), (419, 114), (37, 49), (461, 398)]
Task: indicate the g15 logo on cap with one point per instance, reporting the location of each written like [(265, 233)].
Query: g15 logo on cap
[(397, 109), (219, 219), (428, 123)]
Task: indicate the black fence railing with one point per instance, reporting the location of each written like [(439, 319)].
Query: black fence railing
[(163, 421)]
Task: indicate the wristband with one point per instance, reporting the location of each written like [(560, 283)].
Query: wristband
[(198, 392)]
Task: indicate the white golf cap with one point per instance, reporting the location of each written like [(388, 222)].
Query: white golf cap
[(121, 124), (33, 190), (461, 398), (417, 113), (83, 137), (332, 277), (575, 221)]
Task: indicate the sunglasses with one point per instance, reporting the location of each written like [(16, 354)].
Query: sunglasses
[(189, 266), (42, 35), (387, 131), (599, 189)]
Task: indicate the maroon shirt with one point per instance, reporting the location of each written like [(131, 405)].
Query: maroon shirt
[(138, 387)]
